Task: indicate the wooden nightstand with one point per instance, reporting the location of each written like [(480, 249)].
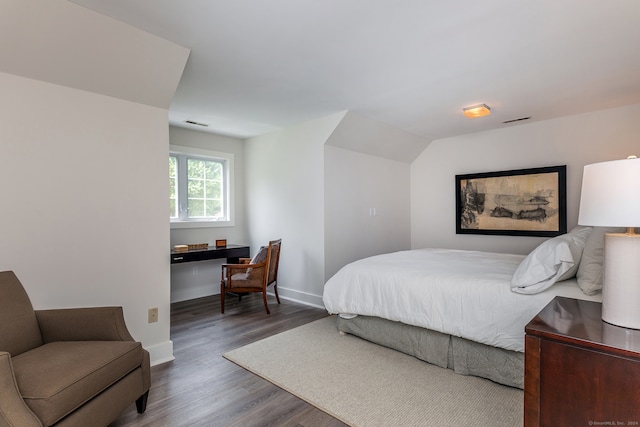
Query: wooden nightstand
[(579, 370)]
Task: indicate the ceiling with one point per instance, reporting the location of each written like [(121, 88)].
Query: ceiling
[(256, 65)]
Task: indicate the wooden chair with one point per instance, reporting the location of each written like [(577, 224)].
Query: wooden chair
[(255, 276)]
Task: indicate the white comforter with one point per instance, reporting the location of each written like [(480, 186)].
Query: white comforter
[(462, 293)]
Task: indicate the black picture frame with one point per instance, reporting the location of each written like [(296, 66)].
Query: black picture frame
[(521, 202)]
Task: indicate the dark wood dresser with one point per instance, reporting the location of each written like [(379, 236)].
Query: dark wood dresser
[(579, 370)]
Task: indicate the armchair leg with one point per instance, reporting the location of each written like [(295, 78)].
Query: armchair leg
[(275, 289), (222, 297), (141, 403), (264, 298)]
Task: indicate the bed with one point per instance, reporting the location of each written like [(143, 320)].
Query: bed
[(463, 310)]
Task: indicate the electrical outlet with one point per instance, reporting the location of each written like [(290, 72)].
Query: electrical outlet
[(153, 314)]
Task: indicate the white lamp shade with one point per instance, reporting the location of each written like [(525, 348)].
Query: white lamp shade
[(611, 194)]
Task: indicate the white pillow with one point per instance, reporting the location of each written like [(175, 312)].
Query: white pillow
[(261, 256), (590, 271), (554, 260)]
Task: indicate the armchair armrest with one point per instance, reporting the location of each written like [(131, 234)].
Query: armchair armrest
[(83, 324), (229, 270), (13, 410)]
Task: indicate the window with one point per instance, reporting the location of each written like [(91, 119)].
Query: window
[(199, 188)]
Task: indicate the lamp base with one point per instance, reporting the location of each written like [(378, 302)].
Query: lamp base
[(621, 280)]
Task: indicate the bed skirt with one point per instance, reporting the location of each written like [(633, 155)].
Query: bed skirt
[(463, 356)]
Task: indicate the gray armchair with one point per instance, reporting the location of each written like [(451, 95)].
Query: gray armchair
[(67, 367)]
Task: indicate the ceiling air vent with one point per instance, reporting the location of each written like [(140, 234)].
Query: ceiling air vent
[(517, 120), (191, 122)]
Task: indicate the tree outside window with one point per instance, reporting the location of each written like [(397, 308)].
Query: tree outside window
[(204, 189), (197, 188)]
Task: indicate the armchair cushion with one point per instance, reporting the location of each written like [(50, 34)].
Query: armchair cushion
[(260, 257), (57, 378)]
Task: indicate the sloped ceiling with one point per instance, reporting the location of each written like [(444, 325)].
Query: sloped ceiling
[(362, 134), (414, 64), (59, 42)]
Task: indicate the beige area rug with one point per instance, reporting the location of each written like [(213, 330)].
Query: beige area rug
[(364, 384)]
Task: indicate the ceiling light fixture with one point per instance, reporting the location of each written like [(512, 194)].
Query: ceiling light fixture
[(477, 111)]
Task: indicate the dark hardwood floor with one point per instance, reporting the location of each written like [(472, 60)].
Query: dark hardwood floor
[(201, 388)]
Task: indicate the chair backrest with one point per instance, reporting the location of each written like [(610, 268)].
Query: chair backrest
[(19, 330), (274, 260)]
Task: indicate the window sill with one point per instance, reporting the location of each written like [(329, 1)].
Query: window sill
[(200, 224)]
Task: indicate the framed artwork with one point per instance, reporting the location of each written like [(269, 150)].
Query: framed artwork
[(524, 202)]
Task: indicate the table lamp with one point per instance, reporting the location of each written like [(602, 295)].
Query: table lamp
[(611, 198)]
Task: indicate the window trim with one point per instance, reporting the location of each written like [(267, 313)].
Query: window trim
[(227, 158)]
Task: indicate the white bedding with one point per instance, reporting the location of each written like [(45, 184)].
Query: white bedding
[(462, 293)]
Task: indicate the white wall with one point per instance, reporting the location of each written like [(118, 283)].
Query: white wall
[(574, 141), (82, 202), (354, 184), (285, 199), (367, 197), (202, 278)]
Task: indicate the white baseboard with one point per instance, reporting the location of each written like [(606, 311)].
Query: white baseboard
[(161, 353), (285, 293), (300, 297)]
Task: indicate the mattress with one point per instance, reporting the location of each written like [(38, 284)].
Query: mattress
[(465, 294)]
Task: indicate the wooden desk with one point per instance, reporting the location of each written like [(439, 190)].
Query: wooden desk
[(580, 370), (231, 252)]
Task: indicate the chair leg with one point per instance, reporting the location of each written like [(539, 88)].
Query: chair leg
[(264, 298), (275, 289), (141, 403), (222, 297)]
